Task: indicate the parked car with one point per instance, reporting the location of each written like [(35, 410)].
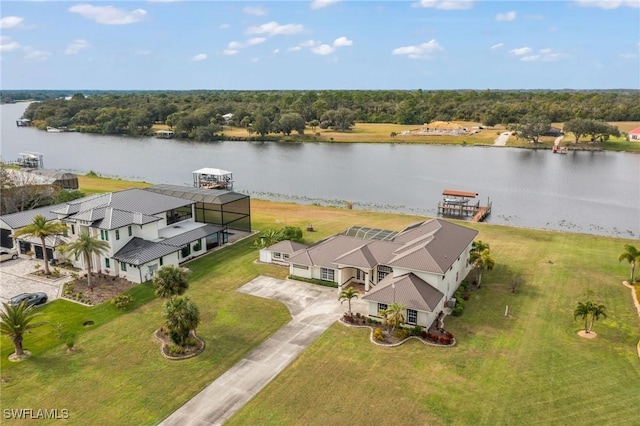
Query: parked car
[(6, 254), (31, 299)]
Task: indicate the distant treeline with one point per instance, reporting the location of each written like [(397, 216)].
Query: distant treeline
[(200, 114)]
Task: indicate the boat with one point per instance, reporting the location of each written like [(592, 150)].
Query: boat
[(165, 134), (53, 129), (209, 178), (455, 201), (560, 149)]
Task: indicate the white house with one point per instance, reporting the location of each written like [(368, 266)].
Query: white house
[(145, 228), (634, 135), (421, 266), (279, 253)]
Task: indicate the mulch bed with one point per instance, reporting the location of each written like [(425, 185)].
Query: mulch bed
[(105, 288), (187, 351)]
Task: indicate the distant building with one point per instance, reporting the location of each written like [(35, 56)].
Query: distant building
[(634, 135)]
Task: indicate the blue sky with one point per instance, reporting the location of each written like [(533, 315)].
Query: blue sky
[(322, 44)]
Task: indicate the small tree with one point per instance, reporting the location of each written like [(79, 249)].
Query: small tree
[(170, 281), (395, 315), (181, 316), (480, 257), (347, 295), (631, 255), (41, 228), (590, 312), (87, 246), (15, 322)]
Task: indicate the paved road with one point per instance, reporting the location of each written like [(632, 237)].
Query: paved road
[(313, 310), (502, 139)]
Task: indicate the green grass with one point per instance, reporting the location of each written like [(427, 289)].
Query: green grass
[(531, 368)]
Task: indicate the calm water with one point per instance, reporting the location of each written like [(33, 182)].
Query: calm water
[(589, 192)]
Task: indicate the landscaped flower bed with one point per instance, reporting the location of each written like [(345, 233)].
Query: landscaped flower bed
[(105, 287)]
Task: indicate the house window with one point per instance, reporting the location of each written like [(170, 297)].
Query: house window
[(130, 231), (197, 246), (179, 214), (326, 274), (104, 235), (277, 255), (303, 267), (107, 263), (383, 271), (285, 256), (73, 229), (161, 262), (412, 316), (117, 234), (186, 250), (457, 273), (65, 233), (382, 307), (123, 266)]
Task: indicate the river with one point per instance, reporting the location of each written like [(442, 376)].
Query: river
[(588, 192)]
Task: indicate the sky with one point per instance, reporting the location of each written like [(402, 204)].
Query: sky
[(320, 44)]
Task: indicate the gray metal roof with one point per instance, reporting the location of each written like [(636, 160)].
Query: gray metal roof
[(138, 251), (200, 195), (370, 233), (21, 219), (113, 219), (130, 200), (194, 234), (409, 290)]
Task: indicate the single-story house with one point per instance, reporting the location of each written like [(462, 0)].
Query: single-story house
[(280, 252), (425, 263), (634, 135)]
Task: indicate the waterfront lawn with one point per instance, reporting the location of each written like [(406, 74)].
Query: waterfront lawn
[(528, 368), (95, 184), (117, 375)]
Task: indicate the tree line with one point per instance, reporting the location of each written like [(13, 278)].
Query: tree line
[(201, 114)]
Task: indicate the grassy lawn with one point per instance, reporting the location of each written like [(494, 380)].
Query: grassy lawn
[(94, 184), (528, 368)]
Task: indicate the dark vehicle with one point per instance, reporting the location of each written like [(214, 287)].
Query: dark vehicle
[(30, 298)]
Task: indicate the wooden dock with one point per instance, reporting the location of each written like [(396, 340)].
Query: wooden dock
[(477, 212)]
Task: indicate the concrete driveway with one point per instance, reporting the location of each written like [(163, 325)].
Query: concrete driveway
[(16, 278), (313, 309)]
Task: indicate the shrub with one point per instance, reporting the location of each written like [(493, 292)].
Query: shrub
[(457, 311), (68, 289), (416, 331), (402, 333), (122, 301), (70, 340), (377, 334), (190, 342), (174, 350)]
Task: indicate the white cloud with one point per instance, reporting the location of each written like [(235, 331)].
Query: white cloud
[(255, 10), (224, 26), (294, 48), (506, 17), (308, 43), (254, 60), (255, 40), (76, 46), (199, 57), (608, 4), (497, 46), (229, 52), (276, 51), (235, 46), (521, 51), (628, 55), (543, 55), (423, 50), (32, 54), (108, 15), (445, 4), (8, 45), (10, 22), (342, 41), (273, 28), (319, 4), (323, 49)]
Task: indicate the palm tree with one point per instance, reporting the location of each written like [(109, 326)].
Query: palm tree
[(41, 228), (181, 316), (170, 281), (347, 295), (481, 261), (395, 315), (478, 246), (268, 238), (15, 322), (631, 255), (597, 311), (87, 246), (583, 310)]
